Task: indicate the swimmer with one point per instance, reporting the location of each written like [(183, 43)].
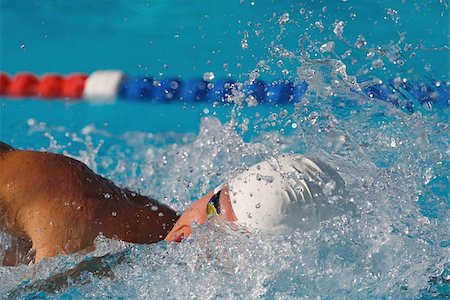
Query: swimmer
[(54, 204)]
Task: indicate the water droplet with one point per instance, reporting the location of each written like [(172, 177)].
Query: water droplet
[(346, 54), (319, 25), (329, 187), (294, 125), (338, 28), (31, 122), (208, 76), (327, 47), (244, 43), (258, 205), (160, 214), (114, 214), (106, 195), (154, 207), (22, 47), (283, 19), (377, 63)]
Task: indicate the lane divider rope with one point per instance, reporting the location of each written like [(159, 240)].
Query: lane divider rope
[(109, 85)]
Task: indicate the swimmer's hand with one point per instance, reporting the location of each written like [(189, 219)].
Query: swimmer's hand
[(195, 214)]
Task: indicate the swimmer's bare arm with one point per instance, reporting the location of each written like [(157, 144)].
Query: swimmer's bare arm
[(61, 205)]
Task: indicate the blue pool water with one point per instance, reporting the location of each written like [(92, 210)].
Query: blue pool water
[(395, 163)]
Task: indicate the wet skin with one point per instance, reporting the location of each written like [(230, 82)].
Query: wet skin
[(197, 214), (53, 204)]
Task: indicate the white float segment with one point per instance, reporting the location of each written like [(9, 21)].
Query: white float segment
[(102, 86)]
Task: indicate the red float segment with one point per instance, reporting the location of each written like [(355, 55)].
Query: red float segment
[(23, 85), (49, 86), (73, 86), (4, 83)]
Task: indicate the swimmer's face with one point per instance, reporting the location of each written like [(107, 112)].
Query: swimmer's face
[(197, 214)]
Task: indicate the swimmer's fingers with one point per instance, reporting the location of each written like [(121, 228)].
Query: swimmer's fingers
[(178, 234)]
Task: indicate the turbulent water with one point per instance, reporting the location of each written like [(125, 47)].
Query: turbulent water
[(394, 245)]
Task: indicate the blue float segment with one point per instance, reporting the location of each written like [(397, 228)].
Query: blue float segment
[(399, 93), (280, 92), (390, 93), (136, 88), (166, 89), (300, 90), (443, 96), (404, 94), (431, 94), (379, 91), (221, 89), (257, 90), (194, 90)]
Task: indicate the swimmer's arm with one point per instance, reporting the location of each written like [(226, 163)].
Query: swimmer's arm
[(100, 267)]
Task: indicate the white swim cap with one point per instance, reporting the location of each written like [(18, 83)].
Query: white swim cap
[(287, 192)]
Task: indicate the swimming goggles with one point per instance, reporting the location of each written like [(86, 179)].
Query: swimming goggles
[(213, 206)]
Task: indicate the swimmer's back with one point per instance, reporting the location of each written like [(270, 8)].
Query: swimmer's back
[(39, 183), (5, 148)]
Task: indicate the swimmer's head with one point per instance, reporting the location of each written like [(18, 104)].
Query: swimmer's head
[(287, 192), (278, 194)]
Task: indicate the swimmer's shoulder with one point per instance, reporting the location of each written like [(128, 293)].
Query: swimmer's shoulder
[(29, 162)]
